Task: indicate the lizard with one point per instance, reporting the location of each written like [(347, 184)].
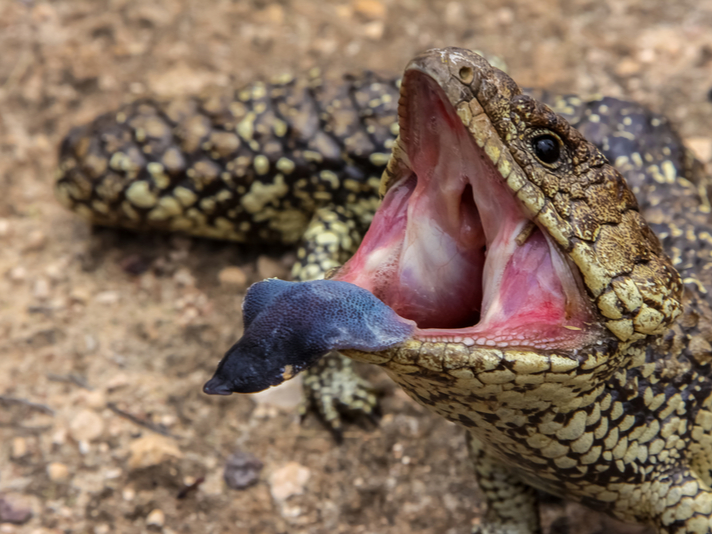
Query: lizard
[(611, 406)]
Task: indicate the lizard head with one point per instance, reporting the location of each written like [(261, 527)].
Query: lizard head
[(502, 227)]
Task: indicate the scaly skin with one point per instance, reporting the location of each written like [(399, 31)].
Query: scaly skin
[(622, 424)]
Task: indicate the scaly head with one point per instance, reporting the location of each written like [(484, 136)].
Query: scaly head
[(503, 233)]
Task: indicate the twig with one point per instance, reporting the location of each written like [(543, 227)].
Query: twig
[(26, 430), (4, 399), (70, 378), (157, 428), (182, 494)]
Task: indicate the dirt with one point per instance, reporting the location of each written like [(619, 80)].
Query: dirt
[(106, 337)]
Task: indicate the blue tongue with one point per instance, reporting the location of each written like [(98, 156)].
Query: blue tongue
[(290, 325)]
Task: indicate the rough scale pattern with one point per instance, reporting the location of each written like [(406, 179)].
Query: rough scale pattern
[(622, 423), (624, 426)]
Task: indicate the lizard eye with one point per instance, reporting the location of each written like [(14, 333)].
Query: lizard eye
[(546, 148)]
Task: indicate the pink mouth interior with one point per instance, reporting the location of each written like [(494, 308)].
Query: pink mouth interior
[(442, 249)]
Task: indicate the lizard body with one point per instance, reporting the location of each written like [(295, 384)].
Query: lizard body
[(614, 407)]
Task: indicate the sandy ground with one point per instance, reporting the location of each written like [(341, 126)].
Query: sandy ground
[(120, 438)]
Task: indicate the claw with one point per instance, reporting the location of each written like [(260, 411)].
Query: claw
[(335, 393)]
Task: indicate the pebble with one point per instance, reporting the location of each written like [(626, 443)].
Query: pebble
[(107, 297), (152, 449), (373, 30), (118, 381), (57, 271), (19, 447), (184, 278), (156, 518), (58, 472), (702, 147), (233, 277), (288, 480), (86, 426), (4, 227), (41, 289), (95, 399), (242, 470), (372, 9), (80, 295), (59, 437), (18, 274), (14, 511), (274, 13), (36, 240)]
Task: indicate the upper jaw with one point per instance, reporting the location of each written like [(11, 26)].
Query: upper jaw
[(452, 247)]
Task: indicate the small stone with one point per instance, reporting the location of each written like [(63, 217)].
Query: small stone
[(19, 447), (18, 274), (107, 297), (59, 437), (86, 426), (95, 399), (36, 240), (184, 278), (112, 474), (58, 472), (14, 510), (372, 9), (233, 277), (156, 518), (242, 470), (275, 13), (288, 480), (702, 147), (628, 67), (119, 380), (152, 449), (4, 227), (57, 271), (269, 268), (128, 494), (80, 295), (374, 30), (41, 289)]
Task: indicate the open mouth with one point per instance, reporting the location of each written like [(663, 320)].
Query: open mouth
[(452, 249)]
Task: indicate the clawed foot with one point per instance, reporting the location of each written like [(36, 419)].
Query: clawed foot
[(334, 391)]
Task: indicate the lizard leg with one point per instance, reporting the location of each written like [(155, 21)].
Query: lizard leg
[(686, 506), (332, 388), (512, 505)]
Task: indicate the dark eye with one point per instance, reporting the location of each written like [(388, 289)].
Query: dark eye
[(546, 148)]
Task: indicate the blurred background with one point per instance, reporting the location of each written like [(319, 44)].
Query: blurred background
[(107, 337)]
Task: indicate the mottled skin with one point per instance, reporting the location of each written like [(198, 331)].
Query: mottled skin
[(621, 423)]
